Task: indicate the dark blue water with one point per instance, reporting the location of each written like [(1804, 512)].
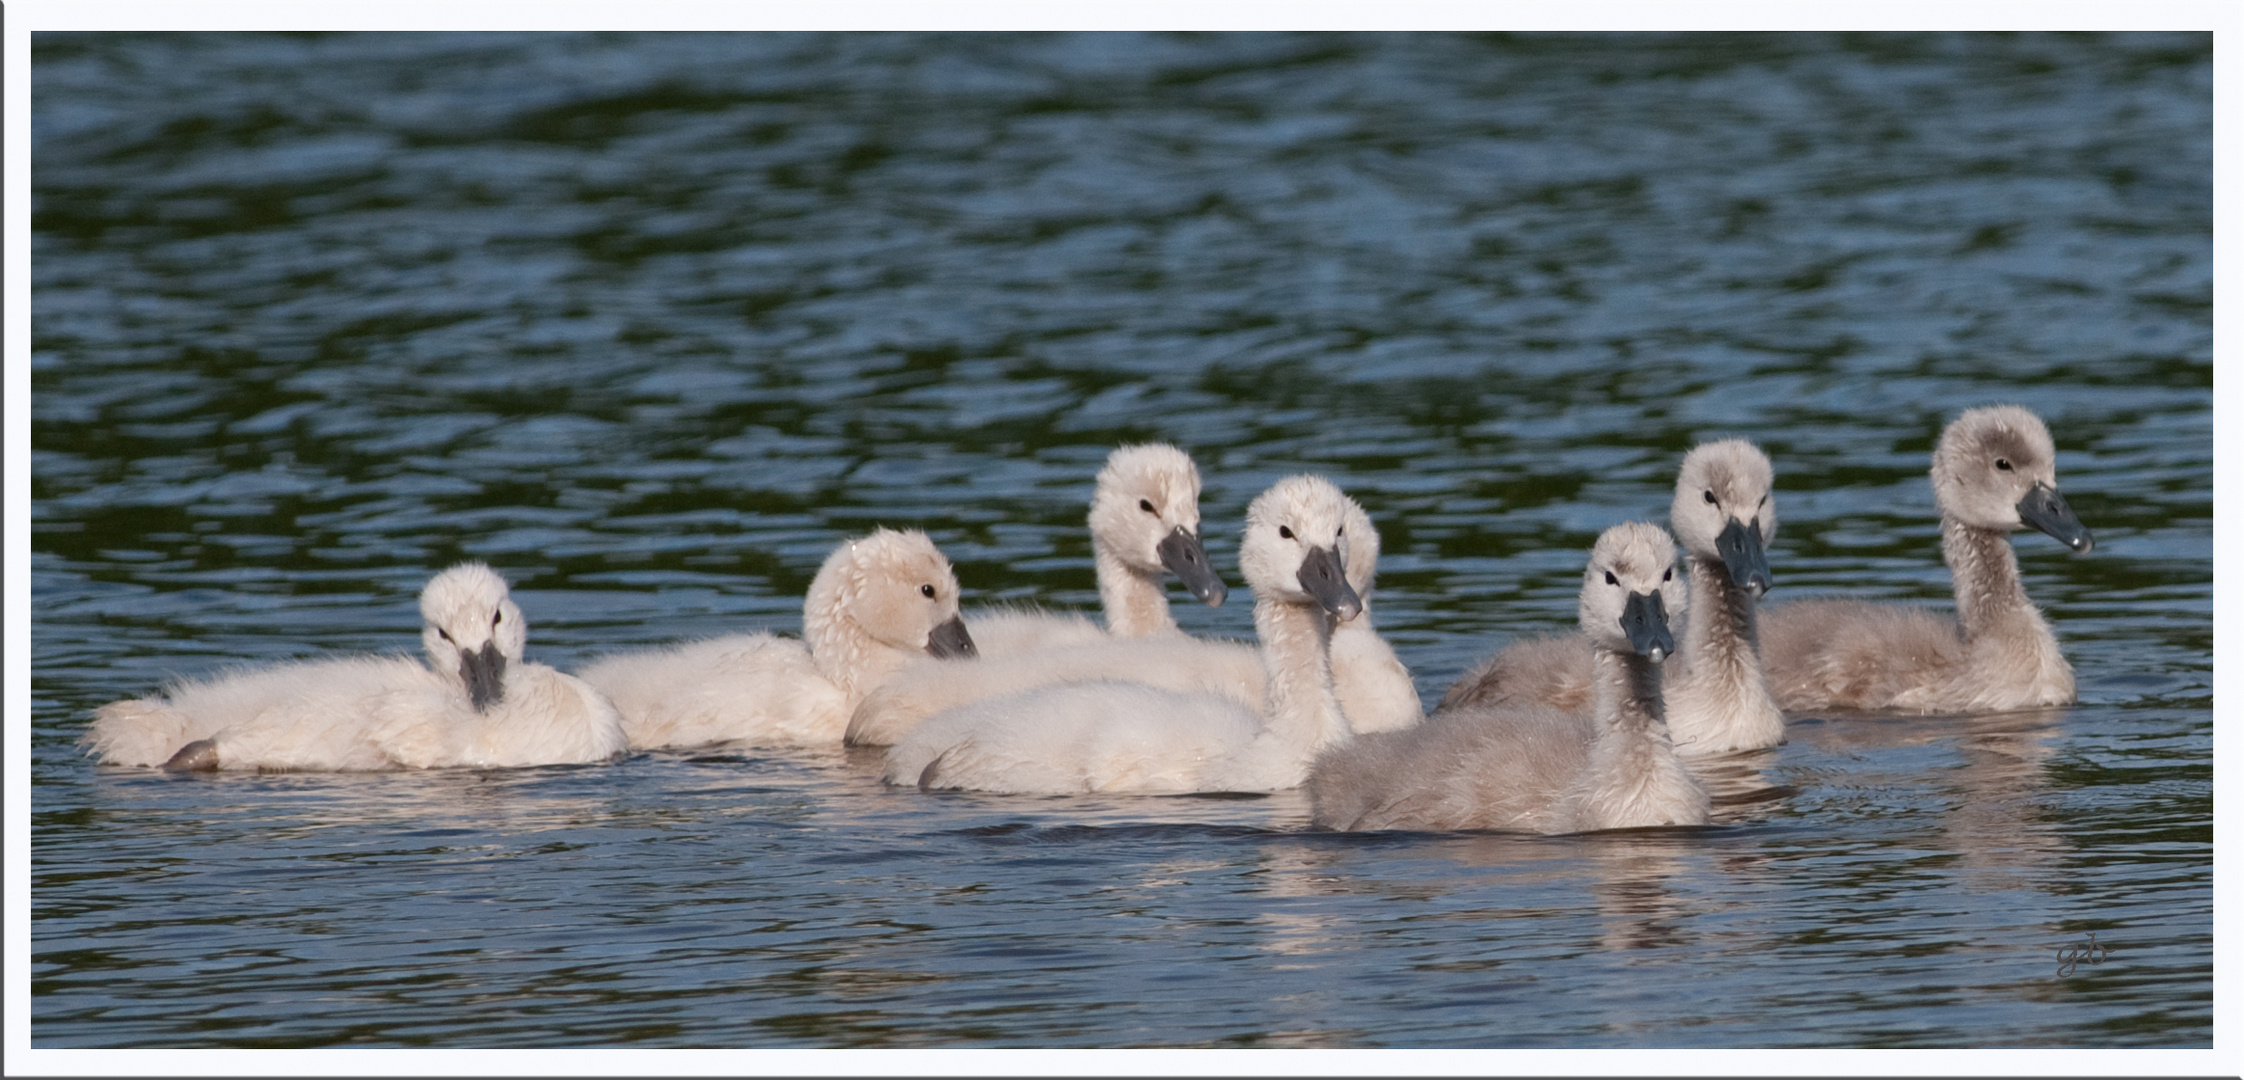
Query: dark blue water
[(650, 323)]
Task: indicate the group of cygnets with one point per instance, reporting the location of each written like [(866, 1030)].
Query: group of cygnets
[(1564, 734)]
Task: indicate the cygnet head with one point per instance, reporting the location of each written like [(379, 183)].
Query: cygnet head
[(1725, 509), (1146, 511), (471, 629), (1631, 592), (1996, 468), (892, 587), (1296, 545)]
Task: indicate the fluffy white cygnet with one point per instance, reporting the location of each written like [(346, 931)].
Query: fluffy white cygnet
[(1145, 523), (1111, 736), (1375, 690), (876, 603), (477, 704), (1533, 768), (1995, 471)]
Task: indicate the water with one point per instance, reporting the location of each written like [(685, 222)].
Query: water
[(651, 323)]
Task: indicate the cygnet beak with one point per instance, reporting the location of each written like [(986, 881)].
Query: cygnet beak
[(1644, 620), (1742, 553), (951, 640), (485, 673), (1182, 554), (2044, 509), (1321, 577)]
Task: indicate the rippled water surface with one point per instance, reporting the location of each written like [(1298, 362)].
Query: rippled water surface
[(651, 323)]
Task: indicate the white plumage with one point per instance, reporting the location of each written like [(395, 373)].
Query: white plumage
[(1375, 689), (478, 703), (1111, 736), (1145, 524), (876, 603)]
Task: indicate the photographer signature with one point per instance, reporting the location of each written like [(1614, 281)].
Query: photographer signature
[(2070, 955)]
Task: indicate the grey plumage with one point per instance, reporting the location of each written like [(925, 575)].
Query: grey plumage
[(1993, 472), (1490, 764)]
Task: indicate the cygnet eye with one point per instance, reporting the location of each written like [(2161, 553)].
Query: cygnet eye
[(1610, 579), (496, 615), (1668, 574), (1709, 496), (2003, 464), (440, 633), (1285, 532), (1146, 505), (927, 591)]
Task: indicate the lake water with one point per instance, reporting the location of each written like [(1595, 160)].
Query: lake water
[(650, 323)]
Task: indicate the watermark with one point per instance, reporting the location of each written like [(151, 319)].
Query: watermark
[(2070, 955)]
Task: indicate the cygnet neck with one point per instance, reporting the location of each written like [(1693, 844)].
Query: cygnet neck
[(1990, 598), (1135, 604), (1626, 694), (1299, 707), (1721, 637)]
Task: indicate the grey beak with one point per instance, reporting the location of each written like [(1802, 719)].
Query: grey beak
[(1644, 619), (2044, 509), (485, 673), (1741, 551), (951, 640), (1320, 576), (1182, 554)]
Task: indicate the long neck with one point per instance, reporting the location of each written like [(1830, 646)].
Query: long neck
[(1627, 697), (1135, 604), (1721, 638), (1299, 708), (1989, 596)]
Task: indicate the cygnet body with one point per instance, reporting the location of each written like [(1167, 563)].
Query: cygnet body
[(477, 704), (1994, 471), (1718, 701), (876, 603), (1375, 689), (1112, 736), (1145, 524), (1532, 768)]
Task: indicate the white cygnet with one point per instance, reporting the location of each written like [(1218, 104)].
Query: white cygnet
[(1113, 736), (1145, 523), (1375, 689), (477, 704), (876, 603)]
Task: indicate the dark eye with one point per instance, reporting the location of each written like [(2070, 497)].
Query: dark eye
[(495, 616), (927, 591), (1610, 579), (1710, 496), (1764, 501), (440, 633), (1146, 505), (1285, 532), (2003, 464), (1668, 574)]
